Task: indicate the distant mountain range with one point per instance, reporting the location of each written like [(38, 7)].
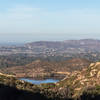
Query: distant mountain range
[(66, 46), (51, 48)]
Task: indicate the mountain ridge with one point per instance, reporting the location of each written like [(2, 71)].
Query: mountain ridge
[(44, 69)]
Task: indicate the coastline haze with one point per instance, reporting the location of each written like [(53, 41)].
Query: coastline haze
[(26, 38)]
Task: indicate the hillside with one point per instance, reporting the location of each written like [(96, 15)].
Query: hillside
[(85, 83), (43, 69), (80, 85)]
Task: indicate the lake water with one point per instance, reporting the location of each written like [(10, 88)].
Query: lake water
[(40, 81)]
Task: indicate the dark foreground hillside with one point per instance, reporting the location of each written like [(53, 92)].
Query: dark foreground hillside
[(12, 93)]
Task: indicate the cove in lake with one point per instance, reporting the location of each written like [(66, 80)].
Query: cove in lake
[(39, 81)]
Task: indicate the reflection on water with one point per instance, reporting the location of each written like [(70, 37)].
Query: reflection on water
[(40, 81)]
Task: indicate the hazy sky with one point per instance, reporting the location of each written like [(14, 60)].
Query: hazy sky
[(33, 20)]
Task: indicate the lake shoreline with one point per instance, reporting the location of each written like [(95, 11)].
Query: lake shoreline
[(43, 78), (37, 82)]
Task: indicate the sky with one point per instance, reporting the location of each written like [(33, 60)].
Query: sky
[(52, 20)]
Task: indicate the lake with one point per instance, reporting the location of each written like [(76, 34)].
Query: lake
[(39, 81)]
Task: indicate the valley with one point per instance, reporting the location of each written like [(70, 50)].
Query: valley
[(67, 70)]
